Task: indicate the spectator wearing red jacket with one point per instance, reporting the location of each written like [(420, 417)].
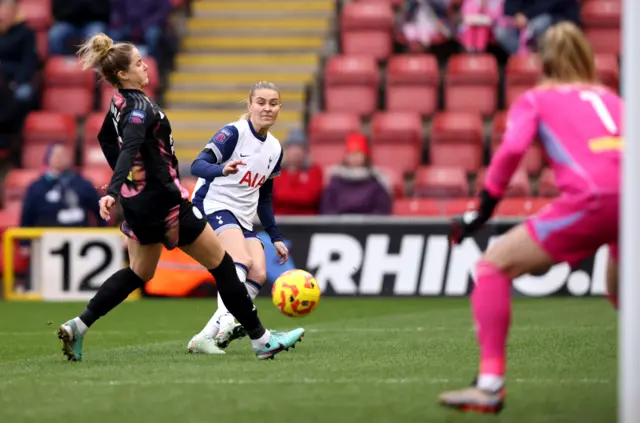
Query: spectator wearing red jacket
[(298, 189)]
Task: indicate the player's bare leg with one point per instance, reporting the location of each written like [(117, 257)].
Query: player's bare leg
[(208, 251), (143, 260), (205, 342), (229, 329), (513, 255)]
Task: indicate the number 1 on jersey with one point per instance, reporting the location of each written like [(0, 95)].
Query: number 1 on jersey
[(601, 110), (606, 143)]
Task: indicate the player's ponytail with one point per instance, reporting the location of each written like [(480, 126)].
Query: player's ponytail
[(100, 53)]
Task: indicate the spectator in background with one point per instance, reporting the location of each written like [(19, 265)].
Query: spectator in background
[(355, 186), (426, 22), (298, 189), (75, 21), (18, 64), (141, 22), (531, 19), (61, 197), (479, 19)]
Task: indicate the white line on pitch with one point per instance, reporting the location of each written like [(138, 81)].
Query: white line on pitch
[(452, 328), (306, 381)]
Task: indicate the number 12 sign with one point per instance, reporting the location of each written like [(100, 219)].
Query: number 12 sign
[(74, 265)]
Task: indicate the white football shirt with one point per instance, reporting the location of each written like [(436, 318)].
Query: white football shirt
[(239, 193)]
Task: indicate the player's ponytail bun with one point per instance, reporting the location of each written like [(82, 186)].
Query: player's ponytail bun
[(95, 50), (100, 53)]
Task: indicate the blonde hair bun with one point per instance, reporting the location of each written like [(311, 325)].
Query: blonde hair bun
[(95, 50)]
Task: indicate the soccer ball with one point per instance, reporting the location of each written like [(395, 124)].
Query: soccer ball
[(295, 293)]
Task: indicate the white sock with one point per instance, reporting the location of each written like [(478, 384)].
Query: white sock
[(491, 383), (253, 288), (213, 325), (261, 342), (82, 328)]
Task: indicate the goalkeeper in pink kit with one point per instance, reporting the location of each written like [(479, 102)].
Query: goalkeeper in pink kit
[(578, 123)]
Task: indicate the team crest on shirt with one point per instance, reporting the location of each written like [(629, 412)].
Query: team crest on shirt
[(222, 135), (137, 116)]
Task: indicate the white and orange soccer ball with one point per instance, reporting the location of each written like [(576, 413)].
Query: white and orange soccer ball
[(295, 293)]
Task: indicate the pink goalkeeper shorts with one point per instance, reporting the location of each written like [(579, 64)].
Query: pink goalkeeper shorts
[(572, 228)]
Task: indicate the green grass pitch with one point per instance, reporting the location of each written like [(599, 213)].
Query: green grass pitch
[(362, 360)]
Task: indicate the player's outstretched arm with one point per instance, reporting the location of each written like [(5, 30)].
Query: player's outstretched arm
[(522, 126)]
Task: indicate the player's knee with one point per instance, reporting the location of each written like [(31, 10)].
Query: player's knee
[(244, 260), (259, 275), (146, 273)]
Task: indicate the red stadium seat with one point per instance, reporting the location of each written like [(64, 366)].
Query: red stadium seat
[(601, 19), (326, 154), (154, 75), (33, 156), (351, 85), (97, 175), (412, 84), (457, 140), (14, 205), (37, 13), (519, 207), (77, 101), (519, 185), (522, 73), (47, 127), (403, 158), (417, 207), (92, 126), (608, 71), (42, 44), (397, 128), (532, 160), (66, 71), (366, 29), (547, 184), (471, 83), (16, 183), (458, 206), (92, 154), (332, 128), (395, 179), (601, 13), (440, 181)]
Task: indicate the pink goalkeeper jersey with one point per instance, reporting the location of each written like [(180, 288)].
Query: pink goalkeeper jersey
[(579, 127)]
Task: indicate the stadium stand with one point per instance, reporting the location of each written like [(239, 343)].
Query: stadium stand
[(433, 121)]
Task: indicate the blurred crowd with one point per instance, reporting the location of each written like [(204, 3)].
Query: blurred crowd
[(145, 22), (502, 27), (514, 25), (61, 197)]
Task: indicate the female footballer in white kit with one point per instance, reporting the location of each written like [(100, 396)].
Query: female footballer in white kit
[(235, 180)]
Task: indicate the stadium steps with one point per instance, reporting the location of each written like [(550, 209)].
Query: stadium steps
[(264, 9), (232, 44), (223, 27)]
